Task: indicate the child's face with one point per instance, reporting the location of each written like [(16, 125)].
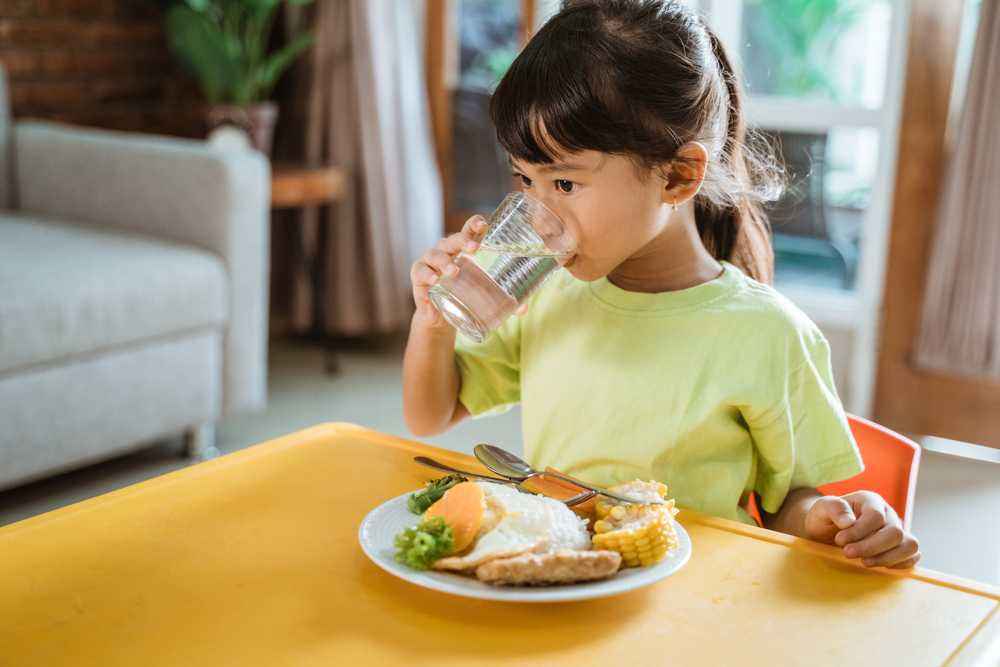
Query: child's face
[(605, 205)]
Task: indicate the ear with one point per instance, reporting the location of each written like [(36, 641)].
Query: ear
[(685, 174)]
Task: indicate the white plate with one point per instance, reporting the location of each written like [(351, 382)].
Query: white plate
[(382, 524)]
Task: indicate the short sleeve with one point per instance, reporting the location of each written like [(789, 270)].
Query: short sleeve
[(491, 370), (802, 438)]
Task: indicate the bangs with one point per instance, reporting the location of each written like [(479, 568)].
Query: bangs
[(546, 105)]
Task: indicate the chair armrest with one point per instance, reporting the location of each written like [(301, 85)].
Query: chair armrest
[(175, 189)]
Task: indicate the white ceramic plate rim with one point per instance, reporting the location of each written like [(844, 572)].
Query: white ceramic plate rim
[(379, 527)]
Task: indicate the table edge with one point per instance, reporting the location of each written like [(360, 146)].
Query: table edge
[(327, 429)]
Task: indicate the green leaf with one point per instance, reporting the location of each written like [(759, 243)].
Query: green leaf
[(224, 44), (260, 11), (271, 70), (204, 49), (258, 4)]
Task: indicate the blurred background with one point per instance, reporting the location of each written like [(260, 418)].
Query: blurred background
[(210, 208)]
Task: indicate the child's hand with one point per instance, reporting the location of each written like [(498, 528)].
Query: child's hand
[(866, 527), (440, 261)]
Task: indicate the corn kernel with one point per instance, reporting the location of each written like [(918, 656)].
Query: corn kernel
[(642, 534)]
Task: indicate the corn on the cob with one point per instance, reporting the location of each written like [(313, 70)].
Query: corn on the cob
[(638, 489), (642, 534)]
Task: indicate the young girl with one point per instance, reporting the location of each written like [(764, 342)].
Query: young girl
[(661, 352)]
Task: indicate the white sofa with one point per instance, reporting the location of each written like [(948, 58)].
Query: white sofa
[(133, 292)]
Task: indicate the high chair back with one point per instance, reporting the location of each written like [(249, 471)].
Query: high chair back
[(891, 463)]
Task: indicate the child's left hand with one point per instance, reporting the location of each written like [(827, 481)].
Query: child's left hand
[(866, 527)]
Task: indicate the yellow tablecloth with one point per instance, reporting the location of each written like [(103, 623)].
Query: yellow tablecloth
[(253, 559)]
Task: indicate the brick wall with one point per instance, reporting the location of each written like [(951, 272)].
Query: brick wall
[(101, 63)]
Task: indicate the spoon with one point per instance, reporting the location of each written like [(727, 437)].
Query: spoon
[(437, 465), (514, 467)]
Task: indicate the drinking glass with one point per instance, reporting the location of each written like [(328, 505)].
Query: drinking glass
[(524, 244)]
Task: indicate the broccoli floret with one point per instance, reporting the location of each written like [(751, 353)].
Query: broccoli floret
[(420, 546)]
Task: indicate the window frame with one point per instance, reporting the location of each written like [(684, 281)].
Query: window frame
[(857, 310)]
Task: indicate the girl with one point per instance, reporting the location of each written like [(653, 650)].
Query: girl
[(662, 352)]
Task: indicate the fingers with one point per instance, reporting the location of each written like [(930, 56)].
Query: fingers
[(871, 519), (837, 510), (474, 227), (907, 550), (884, 539), (433, 264), (439, 261), (422, 275), (877, 536), (457, 243), (908, 563), (825, 517)]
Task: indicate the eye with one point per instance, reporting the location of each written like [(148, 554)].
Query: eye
[(564, 185), (524, 179)]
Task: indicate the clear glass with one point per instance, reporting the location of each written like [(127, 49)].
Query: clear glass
[(525, 243), (834, 51)]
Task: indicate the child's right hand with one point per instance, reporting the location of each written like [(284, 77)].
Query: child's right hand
[(440, 261)]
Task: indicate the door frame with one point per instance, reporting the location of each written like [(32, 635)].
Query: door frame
[(909, 398)]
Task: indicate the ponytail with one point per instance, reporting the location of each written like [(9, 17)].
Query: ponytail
[(739, 231)]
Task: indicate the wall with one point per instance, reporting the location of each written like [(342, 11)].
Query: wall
[(102, 63)]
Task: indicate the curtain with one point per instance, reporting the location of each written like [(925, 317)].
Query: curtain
[(960, 328), (364, 107)]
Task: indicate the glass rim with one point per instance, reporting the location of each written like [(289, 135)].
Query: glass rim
[(514, 201), (538, 202)]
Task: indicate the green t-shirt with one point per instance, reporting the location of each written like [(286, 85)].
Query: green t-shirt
[(717, 390)]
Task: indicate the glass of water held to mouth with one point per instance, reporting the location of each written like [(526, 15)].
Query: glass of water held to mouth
[(524, 244)]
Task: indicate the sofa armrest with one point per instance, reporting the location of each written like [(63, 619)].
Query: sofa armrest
[(175, 189)]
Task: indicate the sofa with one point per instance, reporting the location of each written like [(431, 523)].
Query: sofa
[(133, 292)]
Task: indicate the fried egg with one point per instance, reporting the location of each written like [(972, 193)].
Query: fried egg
[(515, 523)]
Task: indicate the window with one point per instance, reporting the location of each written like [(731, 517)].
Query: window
[(817, 75), (817, 224), (825, 50), (488, 42)]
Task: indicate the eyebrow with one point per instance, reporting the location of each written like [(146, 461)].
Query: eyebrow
[(565, 166)]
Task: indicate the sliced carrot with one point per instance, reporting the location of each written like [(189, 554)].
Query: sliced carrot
[(462, 507)]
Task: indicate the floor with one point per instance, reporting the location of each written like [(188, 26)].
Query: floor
[(957, 506)]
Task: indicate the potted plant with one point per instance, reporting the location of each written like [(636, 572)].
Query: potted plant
[(224, 43)]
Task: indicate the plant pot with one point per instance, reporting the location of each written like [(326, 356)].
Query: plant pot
[(256, 119)]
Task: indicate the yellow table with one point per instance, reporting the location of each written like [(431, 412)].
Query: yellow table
[(253, 559)]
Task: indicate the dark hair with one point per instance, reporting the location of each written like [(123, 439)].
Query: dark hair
[(640, 78)]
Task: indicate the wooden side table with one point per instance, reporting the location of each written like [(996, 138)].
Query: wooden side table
[(296, 186), (300, 186)]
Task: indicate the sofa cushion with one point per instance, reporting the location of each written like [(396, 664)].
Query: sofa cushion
[(68, 290)]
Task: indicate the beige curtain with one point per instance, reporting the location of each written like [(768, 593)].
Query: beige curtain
[(365, 109), (960, 331)]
